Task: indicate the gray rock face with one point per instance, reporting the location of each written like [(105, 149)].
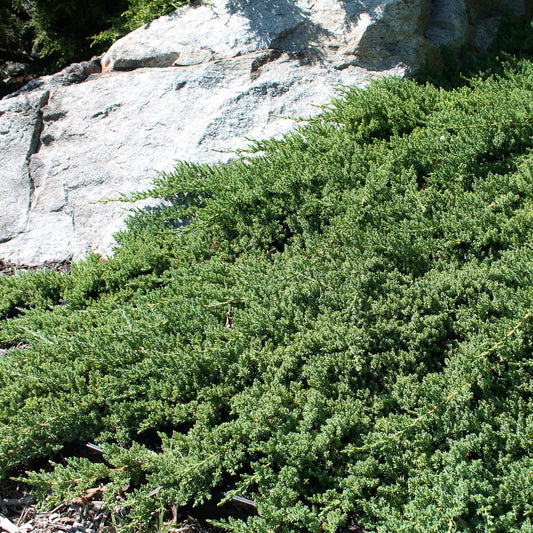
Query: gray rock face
[(20, 131), (192, 86), (332, 31)]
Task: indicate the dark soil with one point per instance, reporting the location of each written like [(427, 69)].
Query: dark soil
[(10, 269)]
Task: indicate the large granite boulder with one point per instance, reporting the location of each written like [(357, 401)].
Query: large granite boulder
[(192, 86)]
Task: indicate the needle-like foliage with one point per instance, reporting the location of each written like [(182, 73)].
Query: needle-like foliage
[(336, 325)]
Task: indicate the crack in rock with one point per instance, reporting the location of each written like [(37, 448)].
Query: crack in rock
[(261, 61), (105, 113), (35, 145), (158, 61), (54, 117)]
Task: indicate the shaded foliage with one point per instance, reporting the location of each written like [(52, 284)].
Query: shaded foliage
[(46, 35)]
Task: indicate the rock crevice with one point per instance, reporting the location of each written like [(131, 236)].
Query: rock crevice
[(35, 144), (21, 126)]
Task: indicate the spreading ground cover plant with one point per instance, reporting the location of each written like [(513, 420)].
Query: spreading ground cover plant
[(341, 331)]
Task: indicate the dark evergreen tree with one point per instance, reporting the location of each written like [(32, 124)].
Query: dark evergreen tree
[(63, 29)]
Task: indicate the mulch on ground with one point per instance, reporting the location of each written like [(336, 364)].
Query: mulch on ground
[(20, 514), (10, 269)]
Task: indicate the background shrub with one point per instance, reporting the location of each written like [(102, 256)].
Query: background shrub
[(45, 35)]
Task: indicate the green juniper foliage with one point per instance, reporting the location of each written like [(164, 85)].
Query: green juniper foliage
[(341, 331)]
